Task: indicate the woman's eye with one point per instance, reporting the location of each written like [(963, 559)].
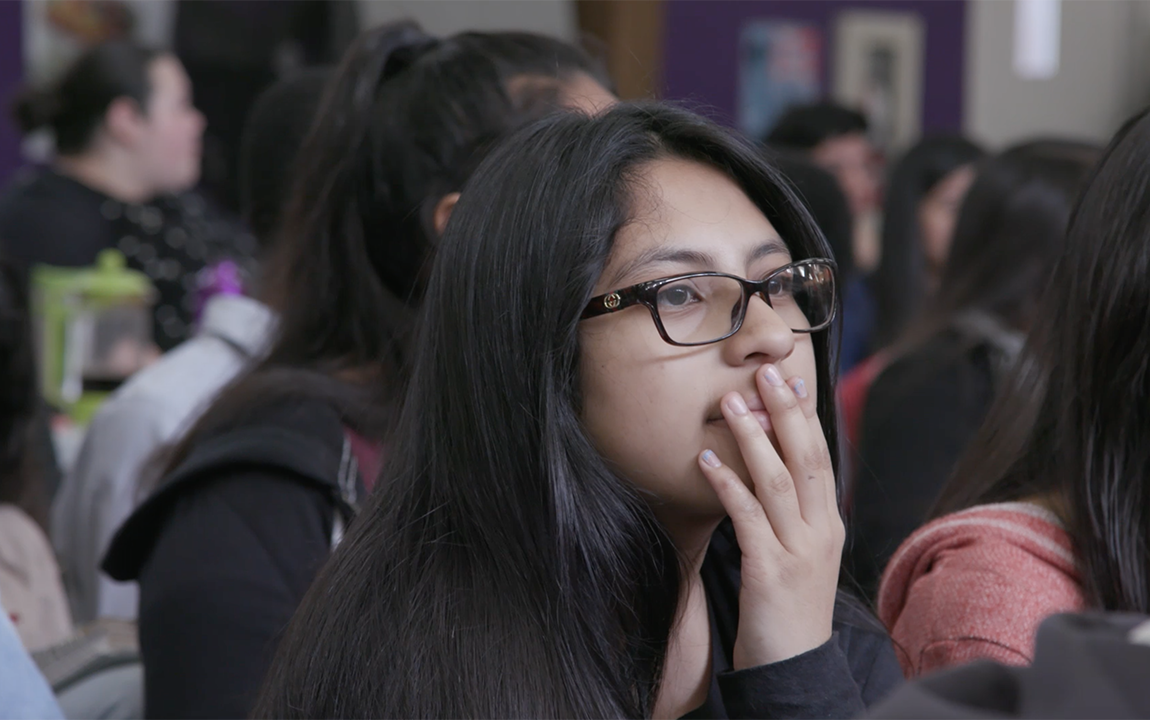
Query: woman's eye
[(780, 285), (678, 296)]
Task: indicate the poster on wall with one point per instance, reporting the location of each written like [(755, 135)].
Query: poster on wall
[(780, 64), (56, 31), (878, 69)]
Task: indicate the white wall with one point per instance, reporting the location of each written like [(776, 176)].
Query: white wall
[(445, 17), (1103, 75)]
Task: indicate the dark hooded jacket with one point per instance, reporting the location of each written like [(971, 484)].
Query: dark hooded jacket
[(225, 549)]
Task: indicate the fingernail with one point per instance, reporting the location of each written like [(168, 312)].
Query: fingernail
[(711, 459), (736, 404), (772, 375), (800, 388)]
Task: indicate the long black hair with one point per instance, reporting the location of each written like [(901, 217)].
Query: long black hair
[(23, 473), (900, 280), (404, 121), (75, 105), (502, 568), (1009, 233), (1072, 426)]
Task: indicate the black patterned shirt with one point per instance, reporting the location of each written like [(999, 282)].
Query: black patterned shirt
[(49, 218)]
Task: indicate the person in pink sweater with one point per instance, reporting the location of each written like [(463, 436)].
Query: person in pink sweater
[(976, 584), (1049, 510)]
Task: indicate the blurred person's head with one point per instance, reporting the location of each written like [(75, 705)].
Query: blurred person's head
[(1010, 231), (404, 121), (835, 137), (824, 199), (923, 194), (1070, 429), (126, 112), (542, 74), (275, 129)]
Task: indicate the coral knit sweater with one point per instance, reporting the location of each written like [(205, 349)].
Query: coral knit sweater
[(976, 584)]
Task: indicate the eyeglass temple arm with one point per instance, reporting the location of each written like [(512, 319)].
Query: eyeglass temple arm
[(613, 301)]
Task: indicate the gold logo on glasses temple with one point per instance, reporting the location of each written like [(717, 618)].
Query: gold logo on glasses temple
[(612, 301)]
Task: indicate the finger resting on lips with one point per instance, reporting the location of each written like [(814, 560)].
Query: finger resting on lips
[(802, 446), (769, 475), (792, 429)]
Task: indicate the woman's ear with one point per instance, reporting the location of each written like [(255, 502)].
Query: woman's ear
[(123, 121), (443, 210)]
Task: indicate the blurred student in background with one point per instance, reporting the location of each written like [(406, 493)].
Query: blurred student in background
[(835, 139), (263, 486), (1049, 509), (29, 576), (925, 407), (1086, 665), (127, 150), (33, 605), (923, 195), (122, 453)]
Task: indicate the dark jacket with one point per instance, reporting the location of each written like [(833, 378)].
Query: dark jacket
[(1093, 665), (920, 415), (855, 669), (225, 549)]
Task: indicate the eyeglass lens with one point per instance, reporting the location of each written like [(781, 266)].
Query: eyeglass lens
[(706, 308)]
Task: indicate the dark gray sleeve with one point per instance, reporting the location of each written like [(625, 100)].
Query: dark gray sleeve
[(815, 684)]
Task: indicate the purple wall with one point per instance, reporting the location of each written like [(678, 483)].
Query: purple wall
[(11, 73), (702, 37)]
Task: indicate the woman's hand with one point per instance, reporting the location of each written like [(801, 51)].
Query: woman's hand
[(789, 528)]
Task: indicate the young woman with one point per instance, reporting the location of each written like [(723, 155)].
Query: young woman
[(127, 150), (624, 342), (262, 487), (923, 195), (928, 402), (1049, 511)]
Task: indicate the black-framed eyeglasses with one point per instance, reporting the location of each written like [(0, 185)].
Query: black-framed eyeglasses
[(704, 308)]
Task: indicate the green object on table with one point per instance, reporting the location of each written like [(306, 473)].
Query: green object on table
[(93, 330)]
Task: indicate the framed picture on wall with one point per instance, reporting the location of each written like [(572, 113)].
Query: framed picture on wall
[(878, 69), (780, 64)]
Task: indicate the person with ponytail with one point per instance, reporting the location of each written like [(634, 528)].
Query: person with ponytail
[(624, 341), (1048, 511), (127, 155), (265, 483), (939, 379)]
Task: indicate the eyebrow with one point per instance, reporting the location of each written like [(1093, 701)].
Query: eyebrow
[(686, 256)]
